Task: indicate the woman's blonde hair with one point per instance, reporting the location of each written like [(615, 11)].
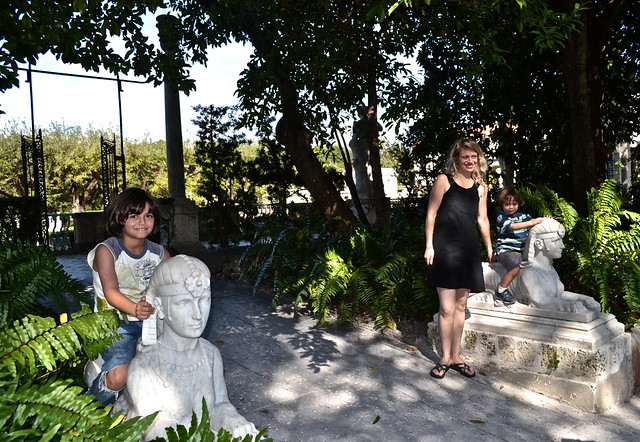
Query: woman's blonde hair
[(451, 166)]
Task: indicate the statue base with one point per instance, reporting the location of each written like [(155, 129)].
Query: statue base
[(584, 359), (179, 231)]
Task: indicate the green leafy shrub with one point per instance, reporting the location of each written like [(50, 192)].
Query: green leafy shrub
[(29, 274), (342, 272)]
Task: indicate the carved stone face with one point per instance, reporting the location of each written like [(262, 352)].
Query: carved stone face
[(553, 247), (187, 314)]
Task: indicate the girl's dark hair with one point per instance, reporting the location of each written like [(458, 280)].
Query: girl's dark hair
[(131, 201), (509, 193)]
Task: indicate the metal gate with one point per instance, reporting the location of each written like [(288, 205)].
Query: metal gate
[(110, 163), (33, 180)]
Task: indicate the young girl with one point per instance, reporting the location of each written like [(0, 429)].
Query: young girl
[(122, 266), (457, 209), (512, 228)]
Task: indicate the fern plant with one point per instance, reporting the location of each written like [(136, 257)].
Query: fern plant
[(29, 273), (606, 246), (340, 272), (543, 201), (36, 402), (199, 431)]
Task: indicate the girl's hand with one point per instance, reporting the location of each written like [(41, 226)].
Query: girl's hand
[(428, 255), (143, 309)]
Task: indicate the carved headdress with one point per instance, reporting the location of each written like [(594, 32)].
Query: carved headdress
[(179, 273), (549, 228)]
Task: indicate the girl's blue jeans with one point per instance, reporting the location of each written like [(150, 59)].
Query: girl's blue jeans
[(119, 353)]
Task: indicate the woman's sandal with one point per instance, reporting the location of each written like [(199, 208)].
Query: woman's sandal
[(463, 369), (439, 368)]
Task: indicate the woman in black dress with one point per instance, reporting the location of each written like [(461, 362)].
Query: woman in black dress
[(457, 209)]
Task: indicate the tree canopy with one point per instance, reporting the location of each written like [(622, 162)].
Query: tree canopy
[(518, 67)]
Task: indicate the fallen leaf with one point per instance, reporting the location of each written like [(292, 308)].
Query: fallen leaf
[(412, 349), (370, 368), (375, 421), (477, 421), (482, 373), (219, 341)]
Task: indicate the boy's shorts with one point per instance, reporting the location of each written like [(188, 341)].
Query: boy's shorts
[(510, 260)]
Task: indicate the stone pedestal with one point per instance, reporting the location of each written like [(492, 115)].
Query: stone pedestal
[(89, 229), (584, 359), (180, 230)]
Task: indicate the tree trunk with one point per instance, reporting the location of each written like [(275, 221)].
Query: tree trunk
[(297, 141), (584, 100), (296, 138), (380, 199), (583, 71)]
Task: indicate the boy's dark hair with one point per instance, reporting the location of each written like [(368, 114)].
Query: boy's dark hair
[(131, 201), (510, 193)]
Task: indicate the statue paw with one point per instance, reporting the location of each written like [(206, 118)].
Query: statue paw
[(593, 305), (578, 307)]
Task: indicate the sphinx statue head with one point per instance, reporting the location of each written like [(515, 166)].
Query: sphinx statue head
[(544, 240), (181, 291)]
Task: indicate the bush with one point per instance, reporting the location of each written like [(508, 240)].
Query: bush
[(341, 271)]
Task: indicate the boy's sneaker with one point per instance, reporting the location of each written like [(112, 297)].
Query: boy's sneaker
[(506, 297)]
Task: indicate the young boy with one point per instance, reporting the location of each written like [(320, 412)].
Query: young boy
[(513, 228)]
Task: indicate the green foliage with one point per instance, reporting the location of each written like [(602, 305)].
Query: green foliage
[(37, 400), (603, 249), (606, 247), (28, 275), (342, 273), (73, 166), (200, 432), (80, 32), (272, 169), (223, 183), (57, 410), (34, 343), (543, 201)]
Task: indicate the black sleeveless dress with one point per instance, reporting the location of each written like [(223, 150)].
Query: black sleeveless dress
[(456, 261)]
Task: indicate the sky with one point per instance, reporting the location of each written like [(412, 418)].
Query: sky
[(90, 102)]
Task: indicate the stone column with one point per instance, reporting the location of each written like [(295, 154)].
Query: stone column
[(167, 31), (184, 219)]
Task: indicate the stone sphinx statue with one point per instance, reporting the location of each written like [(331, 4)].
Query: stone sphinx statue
[(173, 375), (538, 284)]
